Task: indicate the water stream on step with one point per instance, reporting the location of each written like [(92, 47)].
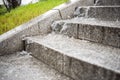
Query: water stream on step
[(97, 2), (87, 12)]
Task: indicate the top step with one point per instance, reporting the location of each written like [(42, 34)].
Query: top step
[(106, 2), (106, 13)]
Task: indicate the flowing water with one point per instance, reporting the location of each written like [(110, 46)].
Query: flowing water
[(98, 2), (87, 12)]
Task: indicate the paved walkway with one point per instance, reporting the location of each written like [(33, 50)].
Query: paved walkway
[(22, 66)]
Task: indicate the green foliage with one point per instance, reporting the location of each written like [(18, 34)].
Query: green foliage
[(25, 13)]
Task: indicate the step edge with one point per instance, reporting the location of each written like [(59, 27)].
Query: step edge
[(63, 52)]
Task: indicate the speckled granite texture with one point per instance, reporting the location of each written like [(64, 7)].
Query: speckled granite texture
[(107, 2), (22, 66), (86, 47), (91, 29), (110, 13), (79, 59)]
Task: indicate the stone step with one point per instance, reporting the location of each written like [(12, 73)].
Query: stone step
[(79, 59), (106, 2), (110, 13), (22, 66), (104, 32)]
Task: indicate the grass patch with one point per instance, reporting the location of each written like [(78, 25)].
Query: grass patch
[(25, 13)]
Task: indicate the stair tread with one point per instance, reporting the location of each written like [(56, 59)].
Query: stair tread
[(92, 21), (93, 53), (102, 6), (22, 66), (106, 13)]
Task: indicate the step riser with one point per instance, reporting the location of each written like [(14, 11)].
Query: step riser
[(72, 67), (107, 2), (102, 13), (104, 35), (100, 34), (80, 12), (70, 30), (49, 56)]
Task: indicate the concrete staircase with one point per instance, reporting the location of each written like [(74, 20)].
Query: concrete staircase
[(86, 47)]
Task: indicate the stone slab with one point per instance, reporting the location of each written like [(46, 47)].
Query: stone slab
[(61, 27), (70, 30), (91, 33), (87, 71), (78, 59), (106, 13), (104, 32), (112, 36), (110, 13), (49, 56), (100, 34), (107, 2)]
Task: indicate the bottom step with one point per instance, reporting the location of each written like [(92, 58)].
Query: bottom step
[(79, 59), (22, 66)]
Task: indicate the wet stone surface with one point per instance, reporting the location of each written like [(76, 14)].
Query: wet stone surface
[(22, 66), (91, 29), (107, 2), (79, 59)]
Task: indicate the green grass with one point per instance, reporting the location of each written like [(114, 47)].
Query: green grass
[(23, 14)]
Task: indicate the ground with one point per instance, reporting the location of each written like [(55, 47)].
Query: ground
[(22, 66)]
